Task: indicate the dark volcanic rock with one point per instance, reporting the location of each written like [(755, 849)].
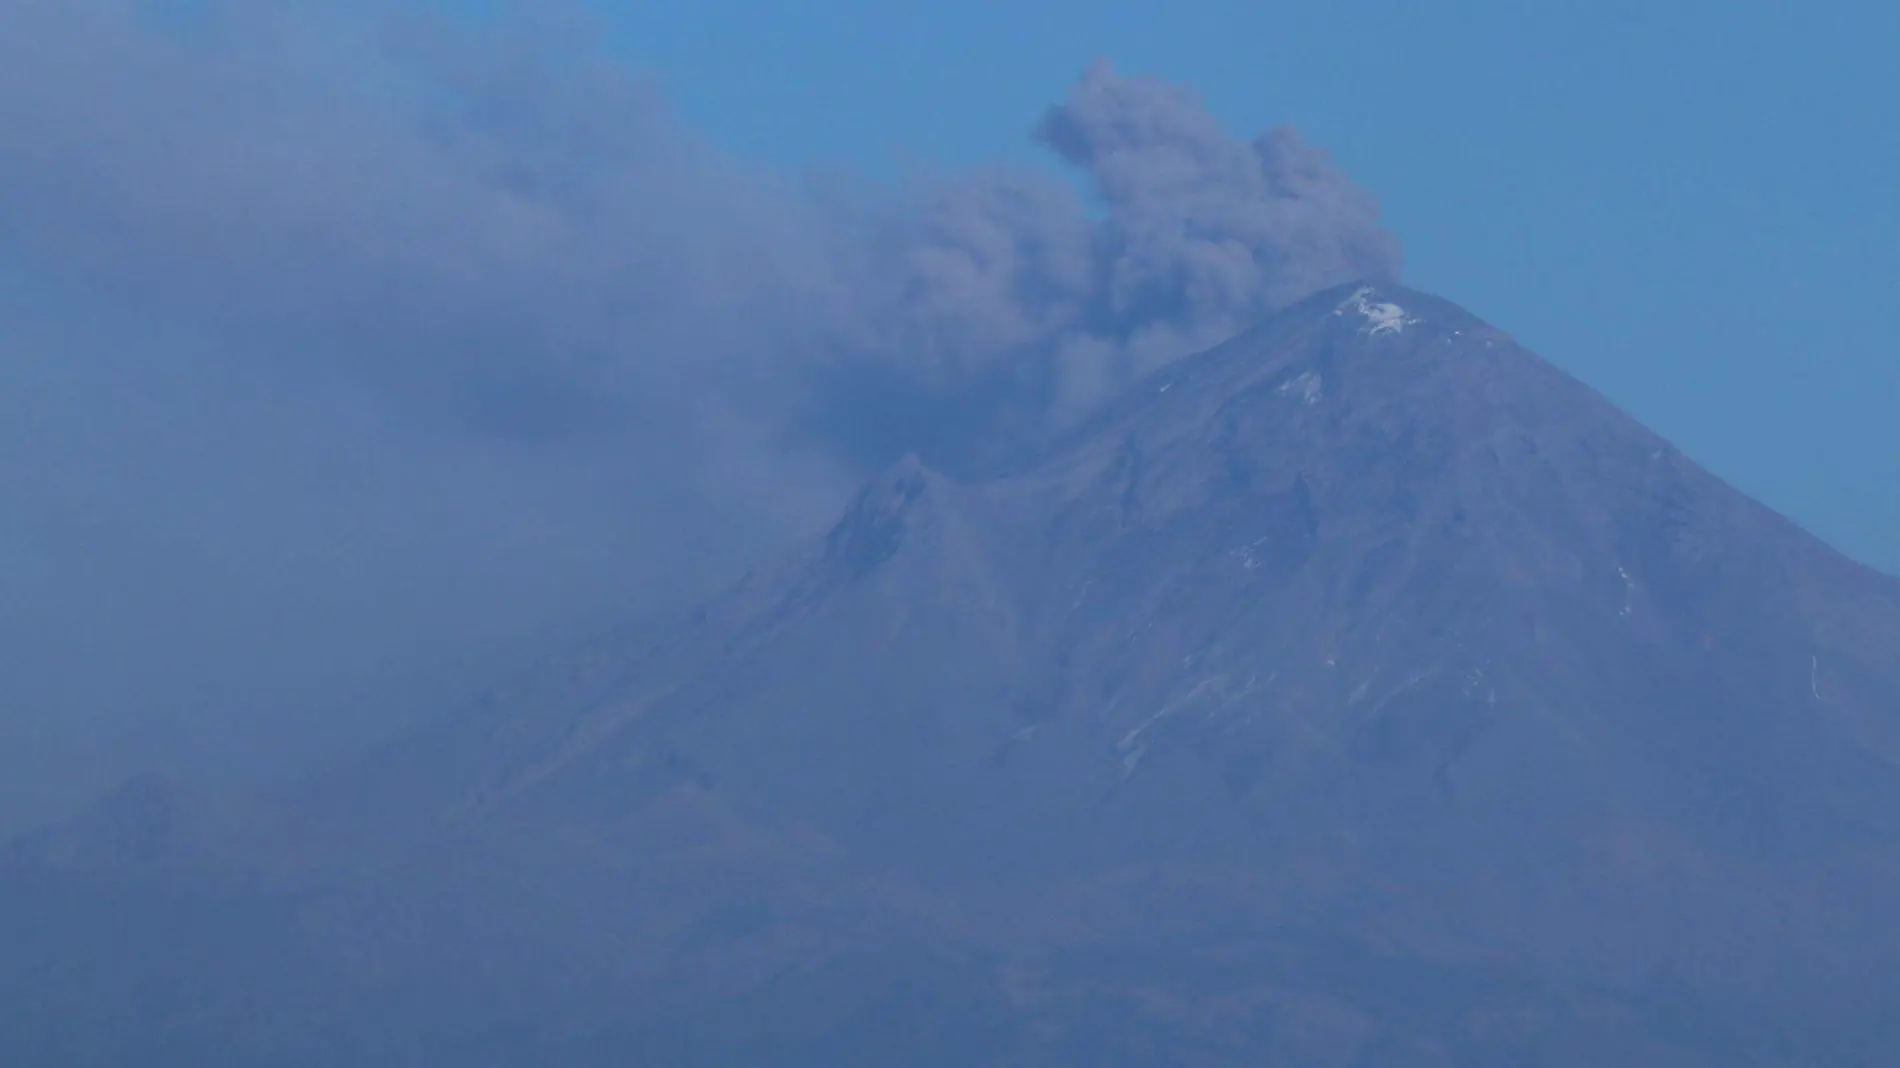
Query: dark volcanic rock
[(1364, 691)]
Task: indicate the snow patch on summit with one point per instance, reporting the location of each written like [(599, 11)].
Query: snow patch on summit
[(1382, 317), (1309, 387)]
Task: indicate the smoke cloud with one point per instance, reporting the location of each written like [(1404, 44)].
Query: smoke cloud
[(343, 354), (990, 306)]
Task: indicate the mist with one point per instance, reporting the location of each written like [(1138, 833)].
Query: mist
[(349, 358)]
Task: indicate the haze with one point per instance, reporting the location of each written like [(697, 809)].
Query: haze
[(349, 357)]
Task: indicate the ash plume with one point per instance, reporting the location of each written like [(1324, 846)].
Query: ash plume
[(344, 347), (998, 303)]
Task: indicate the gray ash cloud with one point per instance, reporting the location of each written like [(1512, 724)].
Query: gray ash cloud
[(339, 341)]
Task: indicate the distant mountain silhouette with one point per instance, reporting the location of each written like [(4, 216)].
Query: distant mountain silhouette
[(1364, 691)]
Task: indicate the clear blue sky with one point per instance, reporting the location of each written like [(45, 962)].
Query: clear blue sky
[(1690, 205)]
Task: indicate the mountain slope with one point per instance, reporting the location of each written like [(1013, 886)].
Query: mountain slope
[(1362, 691)]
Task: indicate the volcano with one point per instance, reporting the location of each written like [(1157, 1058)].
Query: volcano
[(1362, 691)]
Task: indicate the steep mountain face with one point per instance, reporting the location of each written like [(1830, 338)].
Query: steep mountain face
[(1364, 691)]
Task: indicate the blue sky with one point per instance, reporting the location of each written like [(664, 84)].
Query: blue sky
[(1689, 205)]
